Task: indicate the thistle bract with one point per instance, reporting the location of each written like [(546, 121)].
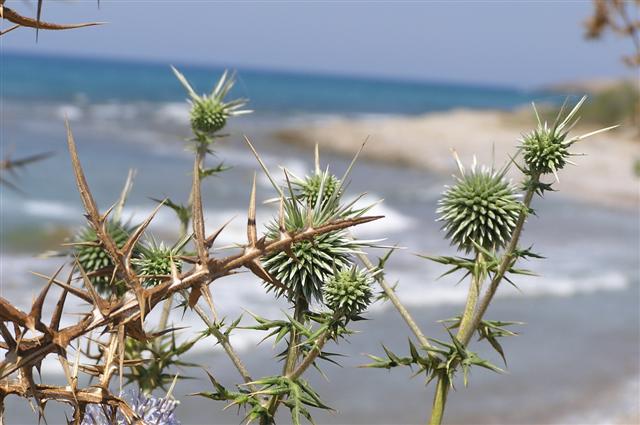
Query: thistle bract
[(481, 207), (94, 258), (348, 291)]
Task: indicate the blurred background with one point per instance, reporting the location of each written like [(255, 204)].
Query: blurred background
[(417, 78)]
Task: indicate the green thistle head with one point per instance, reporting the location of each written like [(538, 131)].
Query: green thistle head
[(314, 260), (209, 113), (309, 188), (348, 291), (546, 149), (481, 207), (305, 268), (93, 258), (153, 264)]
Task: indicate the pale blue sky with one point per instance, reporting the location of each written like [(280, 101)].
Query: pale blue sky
[(514, 43)]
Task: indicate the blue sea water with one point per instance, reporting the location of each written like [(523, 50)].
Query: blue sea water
[(68, 79)]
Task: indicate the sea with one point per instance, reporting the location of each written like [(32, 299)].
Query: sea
[(576, 359)]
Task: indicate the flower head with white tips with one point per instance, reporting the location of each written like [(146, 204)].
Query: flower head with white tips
[(209, 113), (480, 209), (546, 149)]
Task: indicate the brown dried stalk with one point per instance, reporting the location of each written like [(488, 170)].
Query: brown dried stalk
[(23, 21), (124, 316)]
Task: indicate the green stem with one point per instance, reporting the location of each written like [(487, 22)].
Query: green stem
[(507, 259), (439, 400), (310, 358), (472, 299), (442, 386), (300, 309), (465, 334), (391, 294), (223, 340)]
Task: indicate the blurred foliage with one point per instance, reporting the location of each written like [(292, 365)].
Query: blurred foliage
[(615, 104)]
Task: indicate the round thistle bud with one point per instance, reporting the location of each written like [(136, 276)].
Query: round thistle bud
[(154, 262), (309, 188), (93, 257), (481, 207), (545, 151), (207, 115), (305, 268), (348, 291), (312, 266)]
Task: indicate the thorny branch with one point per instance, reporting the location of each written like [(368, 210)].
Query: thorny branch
[(24, 21), (124, 316)]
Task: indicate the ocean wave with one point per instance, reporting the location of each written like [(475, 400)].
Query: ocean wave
[(48, 209), (418, 289)]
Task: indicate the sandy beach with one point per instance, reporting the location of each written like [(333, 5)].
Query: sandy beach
[(604, 175)]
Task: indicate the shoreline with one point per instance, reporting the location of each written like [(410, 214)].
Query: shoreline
[(425, 142)]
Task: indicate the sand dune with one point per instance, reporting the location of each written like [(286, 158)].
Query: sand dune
[(604, 175)]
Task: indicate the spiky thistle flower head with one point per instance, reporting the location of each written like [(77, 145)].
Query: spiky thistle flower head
[(209, 113), (95, 260), (312, 202), (152, 410), (153, 264), (481, 207), (546, 149), (348, 291), (309, 264), (317, 185)]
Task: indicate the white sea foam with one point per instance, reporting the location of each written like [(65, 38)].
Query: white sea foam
[(393, 220), (70, 112), (174, 112), (418, 289), (50, 209)]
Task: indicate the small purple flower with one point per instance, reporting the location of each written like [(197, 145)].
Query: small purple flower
[(153, 410)]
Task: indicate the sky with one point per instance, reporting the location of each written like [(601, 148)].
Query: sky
[(518, 43)]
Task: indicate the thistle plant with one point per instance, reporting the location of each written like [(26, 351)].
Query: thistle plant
[(309, 265), (149, 274), (346, 289), (482, 214)]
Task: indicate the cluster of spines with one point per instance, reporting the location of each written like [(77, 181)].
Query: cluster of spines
[(209, 113), (95, 260), (481, 208), (348, 292)]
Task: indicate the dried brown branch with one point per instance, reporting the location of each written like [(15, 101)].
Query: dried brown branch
[(121, 317), (620, 17), (15, 18)]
